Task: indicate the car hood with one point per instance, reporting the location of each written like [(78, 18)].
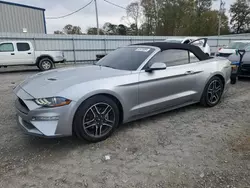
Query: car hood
[(50, 83), (236, 58)]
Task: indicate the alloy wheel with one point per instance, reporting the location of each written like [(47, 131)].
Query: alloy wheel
[(99, 120), (214, 92)]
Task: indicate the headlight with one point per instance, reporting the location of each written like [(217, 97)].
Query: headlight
[(52, 101)]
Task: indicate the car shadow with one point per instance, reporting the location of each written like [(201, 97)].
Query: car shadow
[(73, 141), (141, 122), (60, 147)]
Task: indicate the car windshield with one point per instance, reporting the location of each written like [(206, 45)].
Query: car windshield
[(174, 40), (126, 58), (237, 45), (247, 48)]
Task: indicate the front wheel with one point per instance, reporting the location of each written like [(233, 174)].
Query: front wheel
[(45, 64), (96, 119), (213, 92)]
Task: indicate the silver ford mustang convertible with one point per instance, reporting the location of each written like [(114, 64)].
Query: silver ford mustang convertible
[(129, 83)]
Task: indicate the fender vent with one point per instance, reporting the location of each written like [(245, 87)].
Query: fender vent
[(21, 106)]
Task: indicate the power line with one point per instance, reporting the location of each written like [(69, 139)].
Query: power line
[(115, 4), (59, 17)]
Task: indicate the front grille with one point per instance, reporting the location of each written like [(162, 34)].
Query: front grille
[(28, 125), (245, 70), (223, 55), (21, 106), (246, 66)]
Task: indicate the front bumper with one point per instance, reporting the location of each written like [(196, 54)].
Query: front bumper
[(245, 70), (44, 122)]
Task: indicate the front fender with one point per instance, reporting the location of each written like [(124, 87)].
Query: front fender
[(100, 92), (79, 95)]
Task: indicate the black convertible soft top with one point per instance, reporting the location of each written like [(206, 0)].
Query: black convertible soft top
[(168, 46)]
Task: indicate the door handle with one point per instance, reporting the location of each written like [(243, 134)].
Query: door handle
[(29, 52), (189, 72), (12, 54)]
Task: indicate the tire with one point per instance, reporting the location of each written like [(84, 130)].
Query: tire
[(45, 64), (213, 92), (233, 81), (93, 126)]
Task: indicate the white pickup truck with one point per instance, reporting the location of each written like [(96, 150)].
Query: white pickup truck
[(13, 53)]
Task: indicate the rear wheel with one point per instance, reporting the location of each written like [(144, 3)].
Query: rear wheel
[(96, 119), (213, 92), (45, 64)]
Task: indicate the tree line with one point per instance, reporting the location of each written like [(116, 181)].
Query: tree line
[(174, 18)]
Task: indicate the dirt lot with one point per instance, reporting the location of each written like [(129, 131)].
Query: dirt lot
[(191, 147)]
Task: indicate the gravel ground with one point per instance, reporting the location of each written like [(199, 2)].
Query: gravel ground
[(190, 147)]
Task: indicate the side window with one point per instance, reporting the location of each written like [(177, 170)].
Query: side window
[(22, 47), (6, 47), (171, 57), (247, 48), (193, 58)]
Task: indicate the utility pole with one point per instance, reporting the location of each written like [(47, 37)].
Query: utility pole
[(157, 15), (222, 4), (97, 20)]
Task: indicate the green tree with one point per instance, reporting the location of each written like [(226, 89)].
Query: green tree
[(133, 11), (58, 32), (72, 30), (121, 29), (175, 17), (93, 31), (202, 6), (133, 30), (211, 23), (110, 29), (150, 17), (240, 13)]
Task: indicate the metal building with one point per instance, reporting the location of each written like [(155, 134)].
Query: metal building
[(18, 18)]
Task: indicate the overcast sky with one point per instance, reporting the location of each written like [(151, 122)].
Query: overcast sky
[(86, 17)]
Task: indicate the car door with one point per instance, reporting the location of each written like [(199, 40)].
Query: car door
[(7, 54), (24, 53), (167, 88)]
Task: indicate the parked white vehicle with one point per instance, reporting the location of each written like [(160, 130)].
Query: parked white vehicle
[(13, 53), (230, 49), (201, 42)]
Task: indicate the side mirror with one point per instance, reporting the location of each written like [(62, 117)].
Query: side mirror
[(156, 66)]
